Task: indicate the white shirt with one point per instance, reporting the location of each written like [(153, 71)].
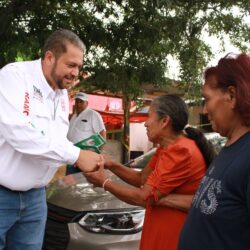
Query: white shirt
[(84, 125), (33, 127)]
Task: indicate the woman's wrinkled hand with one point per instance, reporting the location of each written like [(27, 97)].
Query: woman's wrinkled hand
[(97, 177), (108, 162)]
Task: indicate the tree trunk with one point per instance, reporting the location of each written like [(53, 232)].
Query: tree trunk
[(125, 137)]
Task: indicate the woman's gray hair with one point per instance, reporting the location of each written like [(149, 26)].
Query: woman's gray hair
[(57, 42), (174, 107)]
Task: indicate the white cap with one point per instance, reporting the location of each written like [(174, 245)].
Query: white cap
[(82, 96)]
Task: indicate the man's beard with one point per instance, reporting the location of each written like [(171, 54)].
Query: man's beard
[(57, 79)]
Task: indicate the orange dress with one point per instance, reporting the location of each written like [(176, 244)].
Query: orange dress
[(176, 169)]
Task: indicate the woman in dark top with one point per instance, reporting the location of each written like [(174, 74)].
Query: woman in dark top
[(220, 214)]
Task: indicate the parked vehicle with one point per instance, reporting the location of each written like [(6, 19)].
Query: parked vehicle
[(81, 216), (217, 140)]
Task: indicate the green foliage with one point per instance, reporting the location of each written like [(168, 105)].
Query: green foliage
[(127, 41)]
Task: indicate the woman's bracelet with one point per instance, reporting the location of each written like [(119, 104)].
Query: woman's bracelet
[(104, 183)]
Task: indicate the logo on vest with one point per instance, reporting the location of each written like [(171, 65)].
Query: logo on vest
[(37, 94)]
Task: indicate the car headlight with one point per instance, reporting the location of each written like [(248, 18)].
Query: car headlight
[(125, 222)]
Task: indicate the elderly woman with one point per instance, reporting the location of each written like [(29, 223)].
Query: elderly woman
[(220, 213), (177, 167)]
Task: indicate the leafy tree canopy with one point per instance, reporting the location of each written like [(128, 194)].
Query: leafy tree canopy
[(127, 41)]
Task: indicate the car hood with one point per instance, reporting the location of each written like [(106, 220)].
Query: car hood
[(75, 193)]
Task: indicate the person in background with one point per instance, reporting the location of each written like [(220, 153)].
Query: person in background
[(33, 143), (220, 214), (85, 121), (177, 167)]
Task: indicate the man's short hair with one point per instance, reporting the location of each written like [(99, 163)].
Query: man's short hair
[(58, 40)]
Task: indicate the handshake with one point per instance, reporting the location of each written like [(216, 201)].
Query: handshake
[(94, 167), (88, 160)]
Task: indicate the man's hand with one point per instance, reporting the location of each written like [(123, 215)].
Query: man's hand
[(89, 161)]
